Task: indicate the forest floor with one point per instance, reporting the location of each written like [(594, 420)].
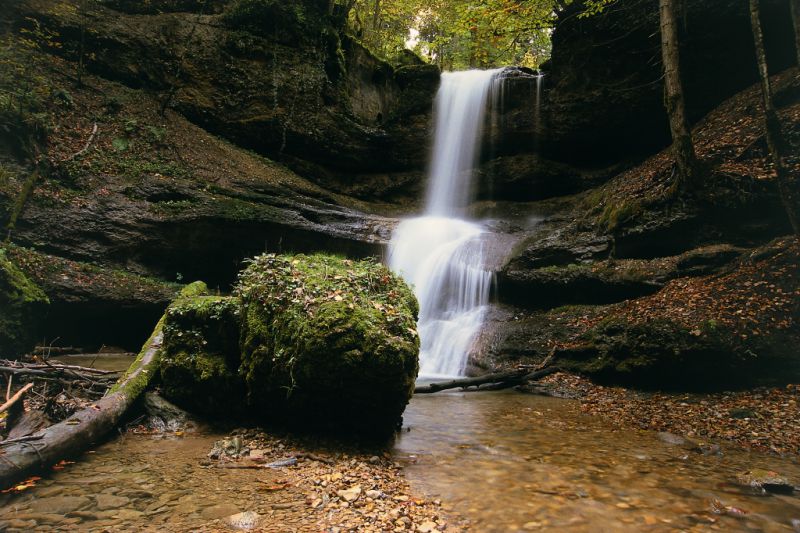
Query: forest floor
[(765, 419)]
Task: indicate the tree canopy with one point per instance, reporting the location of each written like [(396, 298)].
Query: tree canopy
[(457, 34)]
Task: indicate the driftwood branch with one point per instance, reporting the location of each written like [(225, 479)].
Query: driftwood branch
[(86, 147), (14, 399), (59, 372), (500, 380), (28, 455)]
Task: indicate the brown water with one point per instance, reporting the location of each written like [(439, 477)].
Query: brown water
[(103, 361), (507, 462), (512, 462)]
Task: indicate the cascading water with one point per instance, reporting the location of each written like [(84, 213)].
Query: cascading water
[(440, 253)]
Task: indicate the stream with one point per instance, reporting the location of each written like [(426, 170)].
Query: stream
[(515, 462), (504, 461)]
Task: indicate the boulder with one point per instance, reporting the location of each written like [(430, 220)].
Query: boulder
[(200, 361), (328, 342), (321, 341), (22, 309)]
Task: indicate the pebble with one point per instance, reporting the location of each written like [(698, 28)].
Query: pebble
[(219, 511), (244, 521), (60, 504), (351, 494), (427, 527)]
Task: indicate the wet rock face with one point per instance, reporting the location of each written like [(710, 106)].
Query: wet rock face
[(603, 89), (734, 329)]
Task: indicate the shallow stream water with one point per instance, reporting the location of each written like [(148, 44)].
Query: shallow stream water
[(513, 462), (505, 461)]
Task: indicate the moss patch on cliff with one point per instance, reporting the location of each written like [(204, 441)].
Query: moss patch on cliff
[(22, 305), (69, 280), (329, 340)]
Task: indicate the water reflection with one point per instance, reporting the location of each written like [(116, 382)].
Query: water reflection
[(513, 462)]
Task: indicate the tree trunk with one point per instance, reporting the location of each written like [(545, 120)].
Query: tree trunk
[(794, 6), (775, 140), (682, 146)]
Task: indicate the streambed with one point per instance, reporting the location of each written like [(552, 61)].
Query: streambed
[(504, 461), (514, 462)]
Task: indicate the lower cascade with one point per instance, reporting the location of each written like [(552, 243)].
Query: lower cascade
[(440, 253)]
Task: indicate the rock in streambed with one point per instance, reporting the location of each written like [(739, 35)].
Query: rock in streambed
[(320, 341)]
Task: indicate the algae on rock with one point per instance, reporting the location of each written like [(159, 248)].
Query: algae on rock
[(22, 305)]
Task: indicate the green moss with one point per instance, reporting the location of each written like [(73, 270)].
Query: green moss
[(201, 352), (22, 304), (616, 214), (325, 337), (142, 380)]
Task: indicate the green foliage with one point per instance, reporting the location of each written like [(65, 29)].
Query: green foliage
[(458, 34), (121, 144), (593, 7), (265, 17)]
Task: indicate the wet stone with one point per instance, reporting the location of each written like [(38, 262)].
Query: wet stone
[(766, 480), (219, 511), (107, 501), (60, 504)]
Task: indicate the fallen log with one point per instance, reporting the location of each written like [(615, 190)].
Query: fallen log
[(85, 427), (498, 381), (70, 437)]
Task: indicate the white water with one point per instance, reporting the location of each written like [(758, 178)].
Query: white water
[(440, 254)]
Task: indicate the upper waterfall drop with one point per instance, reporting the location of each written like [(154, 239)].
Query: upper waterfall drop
[(440, 254), (460, 112)]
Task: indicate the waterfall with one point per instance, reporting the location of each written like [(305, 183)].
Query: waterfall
[(440, 253)]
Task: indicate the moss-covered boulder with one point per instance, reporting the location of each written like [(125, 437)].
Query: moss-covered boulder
[(200, 354), (22, 306), (328, 342)]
